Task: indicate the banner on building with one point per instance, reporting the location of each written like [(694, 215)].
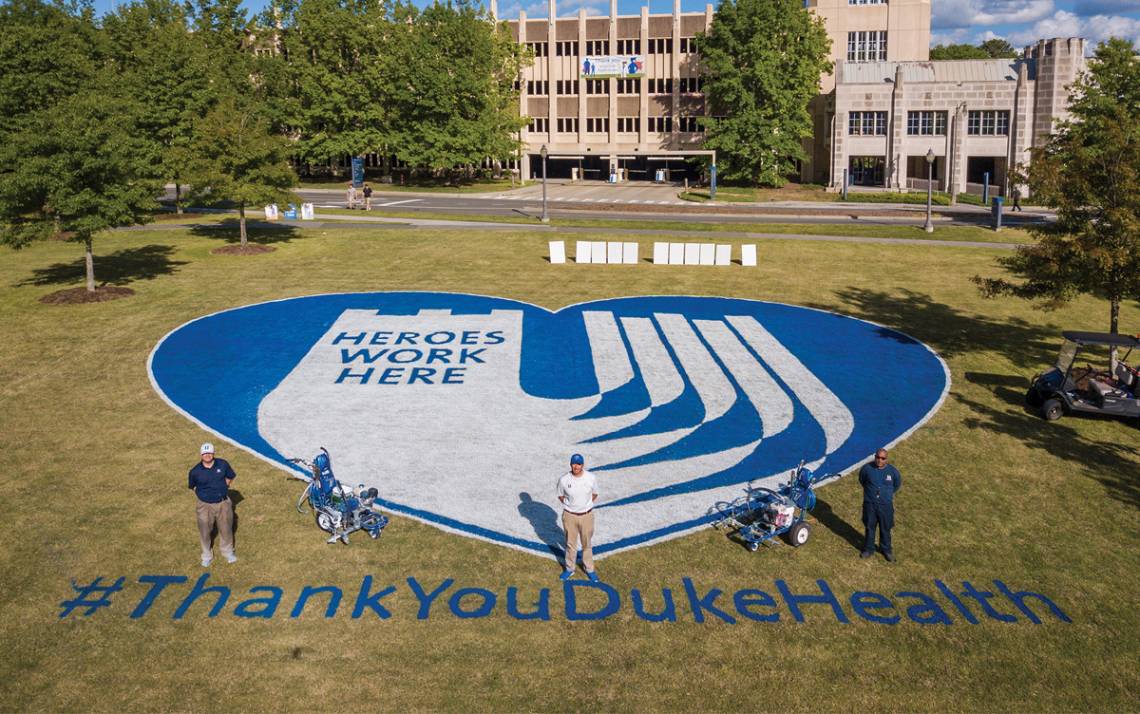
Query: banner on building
[(613, 66)]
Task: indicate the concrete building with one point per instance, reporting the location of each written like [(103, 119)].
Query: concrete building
[(978, 117), (875, 117)]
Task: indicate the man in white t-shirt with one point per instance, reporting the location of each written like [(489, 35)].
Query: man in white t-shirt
[(577, 491)]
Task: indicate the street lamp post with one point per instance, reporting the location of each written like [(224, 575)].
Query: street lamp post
[(544, 153), (929, 227)]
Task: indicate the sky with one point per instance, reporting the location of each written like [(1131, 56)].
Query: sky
[(1021, 22)]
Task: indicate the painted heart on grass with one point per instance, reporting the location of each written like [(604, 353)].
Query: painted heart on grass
[(462, 410)]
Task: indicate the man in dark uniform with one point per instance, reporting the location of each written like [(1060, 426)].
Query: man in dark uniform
[(880, 482), (211, 479)]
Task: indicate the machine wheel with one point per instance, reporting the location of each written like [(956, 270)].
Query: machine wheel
[(324, 522), (1052, 409), (799, 534), (753, 547), (1033, 397)]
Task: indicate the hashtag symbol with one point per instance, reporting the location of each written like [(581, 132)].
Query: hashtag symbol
[(86, 596)]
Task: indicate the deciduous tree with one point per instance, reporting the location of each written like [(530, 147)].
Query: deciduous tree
[(762, 61), (1089, 171)]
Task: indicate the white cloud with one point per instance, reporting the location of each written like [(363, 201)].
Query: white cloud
[(1067, 24), (971, 13)]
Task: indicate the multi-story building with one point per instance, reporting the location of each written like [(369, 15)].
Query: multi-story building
[(881, 101)]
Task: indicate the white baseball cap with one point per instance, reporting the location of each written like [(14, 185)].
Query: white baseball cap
[(207, 448)]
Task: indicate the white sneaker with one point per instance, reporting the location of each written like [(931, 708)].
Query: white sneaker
[(206, 560), (230, 558)]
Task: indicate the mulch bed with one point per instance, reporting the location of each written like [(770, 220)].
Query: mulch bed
[(76, 296), (248, 249)]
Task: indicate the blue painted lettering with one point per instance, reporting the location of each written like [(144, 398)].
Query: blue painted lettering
[(408, 356), (863, 602), (470, 337), (354, 339), (613, 600), (347, 373), (439, 354), (453, 375), (494, 337), (540, 612), (367, 600), (308, 591), (956, 602), (473, 355), (198, 591), (983, 598), (391, 375), (366, 356), (1018, 599), (746, 600), (407, 337), (668, 610), (826, 597), (266, 607), (158, 583), (427, 598), (380, 338), (421, 374), (700, 604), (486, 598), (927, 611), (447, 337)]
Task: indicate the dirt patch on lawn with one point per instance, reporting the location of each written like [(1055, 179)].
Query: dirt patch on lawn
[(76, 296), (248, 249)]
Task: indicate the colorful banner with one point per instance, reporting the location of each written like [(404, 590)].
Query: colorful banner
[(619, 66)]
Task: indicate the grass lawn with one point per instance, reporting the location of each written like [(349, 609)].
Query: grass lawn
[(745, 194), (94, 485)]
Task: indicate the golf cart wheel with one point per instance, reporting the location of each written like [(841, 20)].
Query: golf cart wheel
[(325, 522), (754, 547), (799, 534), (1052, 409), (1033, 397)]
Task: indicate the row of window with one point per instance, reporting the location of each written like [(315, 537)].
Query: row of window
[(867, 46), (625, 125), (987, 122), (866, 2), (571, 88), (632, 46)]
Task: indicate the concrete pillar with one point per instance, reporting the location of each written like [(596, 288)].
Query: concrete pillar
[(553, 73), (612, 114), (524, 133), (643, 99), (582, 94), (675, 73)]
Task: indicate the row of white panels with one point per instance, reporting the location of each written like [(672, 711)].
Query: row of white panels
[(615, 252)]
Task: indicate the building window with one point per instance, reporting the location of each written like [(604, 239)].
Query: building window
[(627, 125), (629, 86), (660, 45), (661, 86), (567, 87), (539, 125), (629, 47), (867, 123), (597, 86), (688, 45), (988, 123), (661, 125), (867, 46), (597, 47), (567, 125), (866, 2), (926, 123), (597, 125), (536, 87), (538, 48), (866, 170), (688, 124), (566, 49), (691, 85)]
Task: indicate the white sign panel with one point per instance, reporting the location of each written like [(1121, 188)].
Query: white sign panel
[(708, 253), (613, 253), (629, 254), (660, 253), (723, 254), (306, 211), (582, 252), (748, 254), (557, 251)]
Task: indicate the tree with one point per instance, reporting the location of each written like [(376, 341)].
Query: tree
[(998, 48), (48, 52), (1089, 171), (451, 97), (74, 170), (958, 52), (235, 157), (762, 62), (326, 85), (158, 62)]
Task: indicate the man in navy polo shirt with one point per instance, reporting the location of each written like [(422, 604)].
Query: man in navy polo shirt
[(211, 479), (880, 482)]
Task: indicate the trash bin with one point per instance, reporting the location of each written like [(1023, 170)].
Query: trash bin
[(574, 173), (659, 176), (996, 210), (613, 177)]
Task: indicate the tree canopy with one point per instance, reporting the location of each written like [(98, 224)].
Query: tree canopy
[(1089, 171), (994, 48), (762, 62)]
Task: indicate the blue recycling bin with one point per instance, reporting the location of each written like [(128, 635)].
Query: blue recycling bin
[(291, 212)]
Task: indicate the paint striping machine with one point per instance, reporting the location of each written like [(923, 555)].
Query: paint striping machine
[(340, 510), (763, 514)]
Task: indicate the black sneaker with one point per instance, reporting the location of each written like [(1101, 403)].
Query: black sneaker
[(866, 554), (889, 556)]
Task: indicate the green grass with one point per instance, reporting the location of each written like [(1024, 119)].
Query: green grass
[(913, 232), (745, 194), (94, 484)]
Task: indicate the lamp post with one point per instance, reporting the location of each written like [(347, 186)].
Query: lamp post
[(929, 227), (544, 153)]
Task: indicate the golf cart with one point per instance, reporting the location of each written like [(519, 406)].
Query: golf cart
[(1073, 387)]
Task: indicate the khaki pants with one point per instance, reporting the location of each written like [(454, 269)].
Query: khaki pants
[(221, 514), (579, 527)]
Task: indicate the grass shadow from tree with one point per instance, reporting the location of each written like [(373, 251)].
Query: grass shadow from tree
[(119, 268), (259, 232)]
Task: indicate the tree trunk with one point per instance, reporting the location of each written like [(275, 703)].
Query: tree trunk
[(241, 221), (89, 261), (178, 198), (1114, 328)]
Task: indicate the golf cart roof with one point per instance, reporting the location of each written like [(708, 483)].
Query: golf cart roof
[(1101, 338)]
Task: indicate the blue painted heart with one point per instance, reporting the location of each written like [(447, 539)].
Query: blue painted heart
[(462, 410)]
